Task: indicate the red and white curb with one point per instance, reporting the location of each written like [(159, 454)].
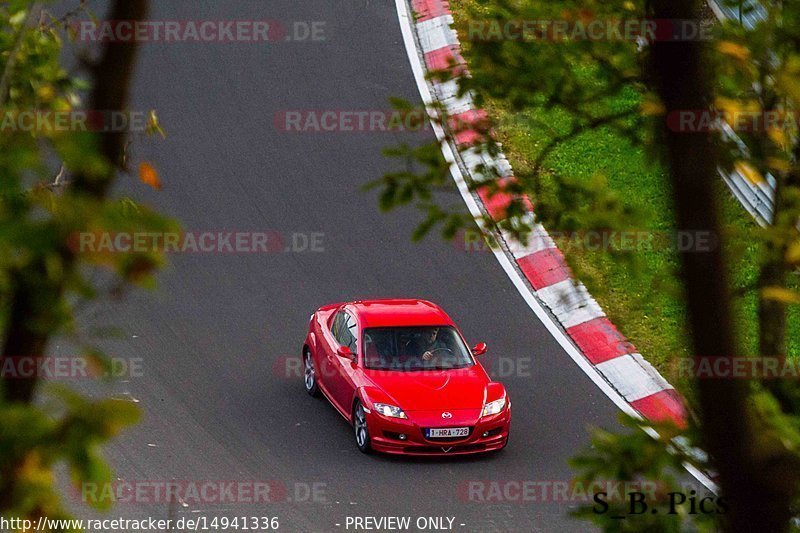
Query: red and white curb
[(540, 261), (537, 269)]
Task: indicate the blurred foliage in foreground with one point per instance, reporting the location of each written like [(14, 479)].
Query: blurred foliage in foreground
[(54, 184)]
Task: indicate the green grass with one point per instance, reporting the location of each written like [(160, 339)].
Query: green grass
[(641, 296)]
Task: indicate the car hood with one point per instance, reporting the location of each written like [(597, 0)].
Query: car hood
[(462, 388)]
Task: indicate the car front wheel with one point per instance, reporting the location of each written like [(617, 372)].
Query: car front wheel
[(310, 374), (360, 426)]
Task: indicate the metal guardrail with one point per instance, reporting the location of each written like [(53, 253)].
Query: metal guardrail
[(747, 12), (757, 198)]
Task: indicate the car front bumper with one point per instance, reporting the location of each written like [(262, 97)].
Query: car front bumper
[(486, 434)]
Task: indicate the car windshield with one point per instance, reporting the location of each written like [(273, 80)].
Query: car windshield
[(415, 348)]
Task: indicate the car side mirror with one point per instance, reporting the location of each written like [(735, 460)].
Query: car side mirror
[(344, 351), (479, 349)]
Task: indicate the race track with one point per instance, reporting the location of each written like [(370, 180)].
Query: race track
[(214, 336)]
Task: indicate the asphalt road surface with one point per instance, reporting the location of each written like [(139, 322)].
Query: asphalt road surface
[(214, 336)]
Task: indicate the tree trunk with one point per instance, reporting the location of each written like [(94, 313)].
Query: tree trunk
[(35, 299), (36, 296), (682, 79)]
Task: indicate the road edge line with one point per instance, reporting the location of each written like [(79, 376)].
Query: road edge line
[(504, 256)]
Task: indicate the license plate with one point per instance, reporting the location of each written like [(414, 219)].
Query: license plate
[(446, 432)]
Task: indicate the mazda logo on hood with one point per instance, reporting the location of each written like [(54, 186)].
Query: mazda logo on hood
[(447, 414)]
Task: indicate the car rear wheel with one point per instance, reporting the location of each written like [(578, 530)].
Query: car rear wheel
[(310, 374), (360, 426)]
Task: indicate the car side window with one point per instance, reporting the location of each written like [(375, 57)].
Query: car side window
[(345, 331), (336, 326), (352, 328)]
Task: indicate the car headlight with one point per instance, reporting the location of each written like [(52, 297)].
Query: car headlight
[(390, 410), (492, 408)]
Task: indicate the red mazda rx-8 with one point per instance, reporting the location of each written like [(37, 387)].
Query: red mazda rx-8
[(401, 374)]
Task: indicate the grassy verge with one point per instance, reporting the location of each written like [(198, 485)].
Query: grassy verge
[(641, 296)]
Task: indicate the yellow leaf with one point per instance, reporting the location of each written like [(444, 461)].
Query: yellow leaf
[(732, 49), (778, 136), (149, 176), (33, 470), (61, 104), (787, 79), (780, 294), (739, 114), (727, 105), (46, 92), (778, 164), (652, 108), (732, 105), (153, 125), (793, 253), (748, 171)]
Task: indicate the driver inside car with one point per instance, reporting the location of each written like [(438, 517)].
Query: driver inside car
[(430, 345)]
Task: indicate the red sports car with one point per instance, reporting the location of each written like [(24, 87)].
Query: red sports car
[(400, 373)]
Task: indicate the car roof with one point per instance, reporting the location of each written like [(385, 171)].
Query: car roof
[(399, 312)]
